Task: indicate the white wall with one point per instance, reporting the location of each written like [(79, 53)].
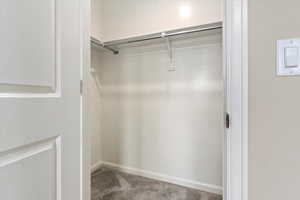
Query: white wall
[(127, 18), (164, 122), (96, 19), (274, 135), (94, 99), (94, 103)]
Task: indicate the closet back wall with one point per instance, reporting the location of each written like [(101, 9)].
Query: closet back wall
[(164, 122)]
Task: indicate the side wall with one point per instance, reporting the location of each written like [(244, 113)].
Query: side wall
[(274, 136), (94, 105), (94, 100), (97, 19)]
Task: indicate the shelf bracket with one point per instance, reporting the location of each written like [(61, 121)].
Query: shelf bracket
[(171, 67)]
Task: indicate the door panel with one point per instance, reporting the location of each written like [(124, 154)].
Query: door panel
[(28, 34), (17, 173), (40, 126)]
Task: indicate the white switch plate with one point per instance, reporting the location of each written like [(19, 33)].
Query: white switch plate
[(288, 65)]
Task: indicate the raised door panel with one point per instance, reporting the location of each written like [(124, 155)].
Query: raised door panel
[(40, 60), (31, 172), (29, 61)]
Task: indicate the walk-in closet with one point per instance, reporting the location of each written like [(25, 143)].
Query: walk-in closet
[(156, 100)]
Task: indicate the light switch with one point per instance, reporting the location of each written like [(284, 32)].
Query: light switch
[(288, 57), (291, 57)]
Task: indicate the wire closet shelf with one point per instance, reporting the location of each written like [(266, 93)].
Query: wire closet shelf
[(109, 45)]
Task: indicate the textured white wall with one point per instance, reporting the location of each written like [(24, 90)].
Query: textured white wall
[(160, 121), (127, 18)]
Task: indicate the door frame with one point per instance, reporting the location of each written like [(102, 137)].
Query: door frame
[(235, 40), (235, 59)]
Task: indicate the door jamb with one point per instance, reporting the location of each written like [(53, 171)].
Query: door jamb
[(236, 99)]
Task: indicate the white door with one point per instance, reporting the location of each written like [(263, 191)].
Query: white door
[(40, 61)]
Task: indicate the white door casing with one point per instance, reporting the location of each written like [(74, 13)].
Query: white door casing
[(40, 127), (236, 76)]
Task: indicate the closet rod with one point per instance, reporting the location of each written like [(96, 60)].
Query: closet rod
[(102, 45), (195, 29)]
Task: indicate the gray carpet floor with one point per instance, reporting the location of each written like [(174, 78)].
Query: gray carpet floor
[(111, 184)]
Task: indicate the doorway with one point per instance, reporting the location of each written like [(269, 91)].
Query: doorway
[(226, 191), (160, 110)]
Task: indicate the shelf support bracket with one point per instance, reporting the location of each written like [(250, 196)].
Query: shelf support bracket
[(171, 67)]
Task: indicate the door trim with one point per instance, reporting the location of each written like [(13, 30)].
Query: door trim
[(236, 99)]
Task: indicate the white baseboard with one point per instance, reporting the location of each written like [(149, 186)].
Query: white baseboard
[(96, 166), (161, 177)]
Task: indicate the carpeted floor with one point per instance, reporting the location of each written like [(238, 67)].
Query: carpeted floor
[(110, 184)]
